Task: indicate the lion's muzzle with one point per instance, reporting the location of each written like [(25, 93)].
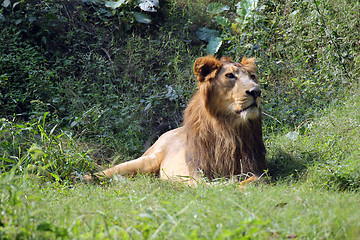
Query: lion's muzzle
[(255, 92)]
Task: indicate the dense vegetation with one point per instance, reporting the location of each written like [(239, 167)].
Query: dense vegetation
[(89, 83)]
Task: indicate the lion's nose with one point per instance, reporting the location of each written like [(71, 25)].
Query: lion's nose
[(254, 91)]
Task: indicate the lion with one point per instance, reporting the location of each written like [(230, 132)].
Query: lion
[(221, 135)]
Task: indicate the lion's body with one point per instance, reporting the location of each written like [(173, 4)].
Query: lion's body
[(221, 135)]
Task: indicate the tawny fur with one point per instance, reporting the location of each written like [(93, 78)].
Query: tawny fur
[(221, 134)]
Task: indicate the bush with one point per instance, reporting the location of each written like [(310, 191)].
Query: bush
[(39, 148)]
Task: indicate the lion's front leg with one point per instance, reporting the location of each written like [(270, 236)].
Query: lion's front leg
[(243, 183), (142, 165)]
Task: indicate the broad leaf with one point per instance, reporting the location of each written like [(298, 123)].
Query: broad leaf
[(244, 8), (6, 3), (216, 8), (214, 45), (142, 18), (206, 34), (148, 106), (223, 21), (114, 5)]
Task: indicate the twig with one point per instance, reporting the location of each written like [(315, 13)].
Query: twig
[(268, 115), (301, 124)]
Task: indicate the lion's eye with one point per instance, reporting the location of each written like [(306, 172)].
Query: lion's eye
[(253, 76), (230, 75)]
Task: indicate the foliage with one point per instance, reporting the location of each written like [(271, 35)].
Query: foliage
[(235, 22), (36, 148), (67, 75)]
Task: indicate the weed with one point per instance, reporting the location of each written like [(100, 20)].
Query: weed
[(34, 148)]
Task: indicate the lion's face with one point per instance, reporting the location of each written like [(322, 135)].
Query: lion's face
[(237, 91), (234, 87)]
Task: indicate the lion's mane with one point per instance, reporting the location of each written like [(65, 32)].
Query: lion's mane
[(217, 144)]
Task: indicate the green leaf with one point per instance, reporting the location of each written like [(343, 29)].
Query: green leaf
[(206, 34), (216, 8), (214, 45), (17, 22), (114, 5), (244, 8), (294, 12), (223, 21), (6, 3), (32, 19), (256, 47), (148, 106), (8, 160), (142, 18), (211, 36), (54, 175)]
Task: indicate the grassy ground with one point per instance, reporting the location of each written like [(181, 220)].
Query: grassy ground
[(301, 204), (147, 208)]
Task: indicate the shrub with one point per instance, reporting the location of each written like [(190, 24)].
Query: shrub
[(38, 148)]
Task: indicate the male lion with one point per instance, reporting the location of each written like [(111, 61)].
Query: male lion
[(221, 134)]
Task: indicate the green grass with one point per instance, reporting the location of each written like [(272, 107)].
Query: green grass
[(325, 151), (147, 208)]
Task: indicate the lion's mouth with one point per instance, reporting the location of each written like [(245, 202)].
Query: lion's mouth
[(254, 105)]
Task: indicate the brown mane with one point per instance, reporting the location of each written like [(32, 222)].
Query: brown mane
[(215, 143)]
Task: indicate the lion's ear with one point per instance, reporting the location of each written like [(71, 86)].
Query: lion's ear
[(203, 66), (249, 63)]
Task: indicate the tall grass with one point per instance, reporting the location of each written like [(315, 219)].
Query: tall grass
[(39, 148)]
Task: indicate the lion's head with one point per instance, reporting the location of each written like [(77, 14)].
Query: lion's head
[(223, 119), (230, 89)]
